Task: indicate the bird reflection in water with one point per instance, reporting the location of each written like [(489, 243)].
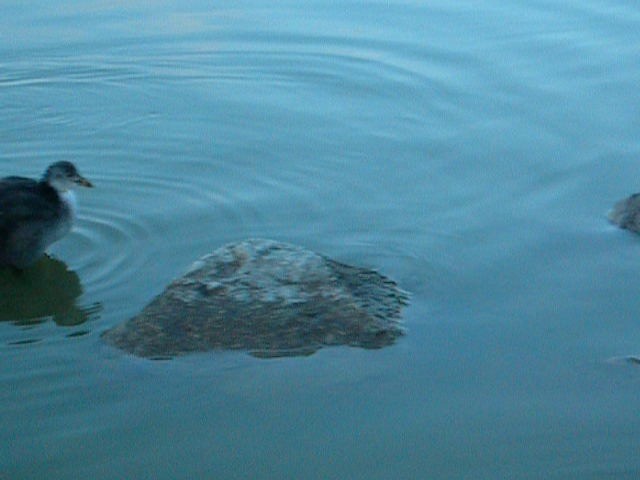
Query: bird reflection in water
[(46, 290)]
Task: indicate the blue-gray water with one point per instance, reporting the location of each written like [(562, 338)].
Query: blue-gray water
[(469, 150)]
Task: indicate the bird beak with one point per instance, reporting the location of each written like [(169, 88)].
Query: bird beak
[(84, 182)]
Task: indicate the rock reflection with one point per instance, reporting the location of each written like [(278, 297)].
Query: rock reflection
[(47, 290)]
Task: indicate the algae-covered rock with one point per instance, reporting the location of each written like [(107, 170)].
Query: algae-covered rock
[(268, 298), (626, 213)]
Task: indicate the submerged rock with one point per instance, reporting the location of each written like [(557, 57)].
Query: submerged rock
[(626, 213), (625, 360), (269, 298)]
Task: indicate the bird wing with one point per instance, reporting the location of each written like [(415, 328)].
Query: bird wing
[(24, 201)]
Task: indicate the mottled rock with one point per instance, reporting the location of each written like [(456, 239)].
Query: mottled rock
[(268, 298), (626, 213)]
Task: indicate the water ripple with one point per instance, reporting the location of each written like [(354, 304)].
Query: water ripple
[(62, 71), (164, 197), (105, 243)]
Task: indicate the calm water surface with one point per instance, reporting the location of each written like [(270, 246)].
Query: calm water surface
[(469, 150)]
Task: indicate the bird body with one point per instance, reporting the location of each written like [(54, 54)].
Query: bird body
[(35, 214)]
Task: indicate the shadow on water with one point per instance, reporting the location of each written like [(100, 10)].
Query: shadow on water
[(47, 290)]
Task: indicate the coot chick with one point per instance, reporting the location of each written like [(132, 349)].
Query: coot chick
[(34, 214)]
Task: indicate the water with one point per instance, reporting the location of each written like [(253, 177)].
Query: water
[(469, 150)]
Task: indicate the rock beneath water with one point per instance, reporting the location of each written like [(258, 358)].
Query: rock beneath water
[(269, 298), (625, 360), (626, 213)]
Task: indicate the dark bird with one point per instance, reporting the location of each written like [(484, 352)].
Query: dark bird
[(34, 214)]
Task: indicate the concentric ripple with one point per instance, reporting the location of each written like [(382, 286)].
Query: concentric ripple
[(206, 140), (122, 233)]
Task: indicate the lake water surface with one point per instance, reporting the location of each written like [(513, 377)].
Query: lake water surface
[(469, 150)]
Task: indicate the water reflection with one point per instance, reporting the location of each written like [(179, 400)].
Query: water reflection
[(46, 290)]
